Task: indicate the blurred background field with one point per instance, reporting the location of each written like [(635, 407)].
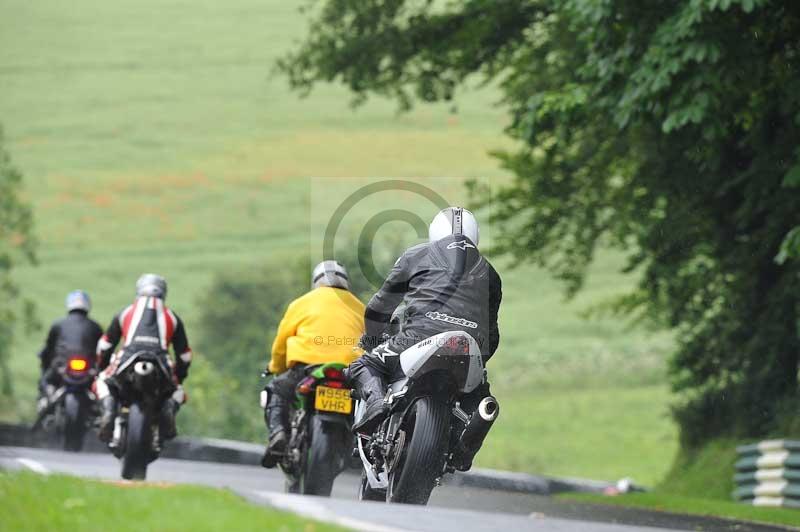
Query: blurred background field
[(154, 137)]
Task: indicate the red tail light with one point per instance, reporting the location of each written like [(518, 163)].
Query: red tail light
[(457, 345), (335, 384), (333, 374), (78, 364)]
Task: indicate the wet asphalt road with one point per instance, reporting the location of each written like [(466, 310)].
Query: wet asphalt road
[(465, 509)]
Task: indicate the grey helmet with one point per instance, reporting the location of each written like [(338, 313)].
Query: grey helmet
[(454, 221), (78, 300), (151, 285), (330, 273)]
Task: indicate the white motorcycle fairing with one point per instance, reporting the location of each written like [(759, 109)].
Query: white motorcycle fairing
[(416, 360)]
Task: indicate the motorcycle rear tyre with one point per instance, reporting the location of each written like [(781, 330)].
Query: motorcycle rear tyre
[(74, 423), (137, 447), (325, 456), (422, 461)]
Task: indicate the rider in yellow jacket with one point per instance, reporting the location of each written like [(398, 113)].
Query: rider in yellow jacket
[(322, 326)]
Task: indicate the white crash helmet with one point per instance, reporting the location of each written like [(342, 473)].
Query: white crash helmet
[(78, 300), (151, 285), (330, 273), (454, 221)]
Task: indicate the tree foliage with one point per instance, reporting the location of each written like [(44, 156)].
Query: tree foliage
[(240, 313), (16, 243), (669, 129)]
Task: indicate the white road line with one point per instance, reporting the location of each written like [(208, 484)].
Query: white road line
[(34, 466), (308, 507)]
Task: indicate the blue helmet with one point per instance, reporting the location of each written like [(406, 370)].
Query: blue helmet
[(78, 300)]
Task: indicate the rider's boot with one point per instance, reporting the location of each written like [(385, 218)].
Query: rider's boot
[(276, 415), (106, 429), (167, 427), (43, 401), (46, 391), (372, 390), (41, 405)]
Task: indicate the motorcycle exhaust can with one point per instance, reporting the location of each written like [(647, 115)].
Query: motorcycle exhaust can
[(144, 368), (479, 424)]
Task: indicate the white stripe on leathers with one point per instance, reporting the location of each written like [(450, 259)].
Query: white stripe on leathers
[(162, 322)]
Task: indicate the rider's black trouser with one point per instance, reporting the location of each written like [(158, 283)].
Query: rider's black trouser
[(285, 384), (384, 360), (281, 393)]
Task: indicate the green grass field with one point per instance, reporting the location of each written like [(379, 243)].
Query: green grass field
[(155, 137), (33, 502)]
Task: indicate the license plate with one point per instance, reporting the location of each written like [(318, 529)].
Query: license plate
[(333, 400)]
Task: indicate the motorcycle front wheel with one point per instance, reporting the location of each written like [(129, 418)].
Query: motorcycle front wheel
[(422, 457), (137, 446)]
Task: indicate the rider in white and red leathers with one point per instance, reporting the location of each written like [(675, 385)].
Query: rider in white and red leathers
[(146, 324)]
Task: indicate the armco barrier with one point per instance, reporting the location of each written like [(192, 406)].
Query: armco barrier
[(768, 474), (243, 453)]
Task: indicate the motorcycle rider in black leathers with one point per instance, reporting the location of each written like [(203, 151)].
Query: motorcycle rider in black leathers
[(75, 334), (146, 324), (446, 285)]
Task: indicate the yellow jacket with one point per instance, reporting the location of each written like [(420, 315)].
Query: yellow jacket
[(322, 326)]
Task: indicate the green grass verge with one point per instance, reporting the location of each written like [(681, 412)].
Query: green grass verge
[(32, 502), (704, 473), (695, 506)]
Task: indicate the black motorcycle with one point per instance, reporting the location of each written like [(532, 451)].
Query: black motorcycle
[(71, 405), (426, 431), (141, 384), (321, 442)]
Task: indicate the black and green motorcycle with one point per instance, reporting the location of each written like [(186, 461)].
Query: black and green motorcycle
[(320, 442)]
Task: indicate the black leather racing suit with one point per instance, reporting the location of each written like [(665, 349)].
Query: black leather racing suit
[(445, 285), (75, 334)]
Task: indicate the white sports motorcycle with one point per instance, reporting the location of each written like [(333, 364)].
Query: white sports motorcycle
[(426, 429)]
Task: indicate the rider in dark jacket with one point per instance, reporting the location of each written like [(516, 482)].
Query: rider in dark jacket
[(74, 334), (446, 285)]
